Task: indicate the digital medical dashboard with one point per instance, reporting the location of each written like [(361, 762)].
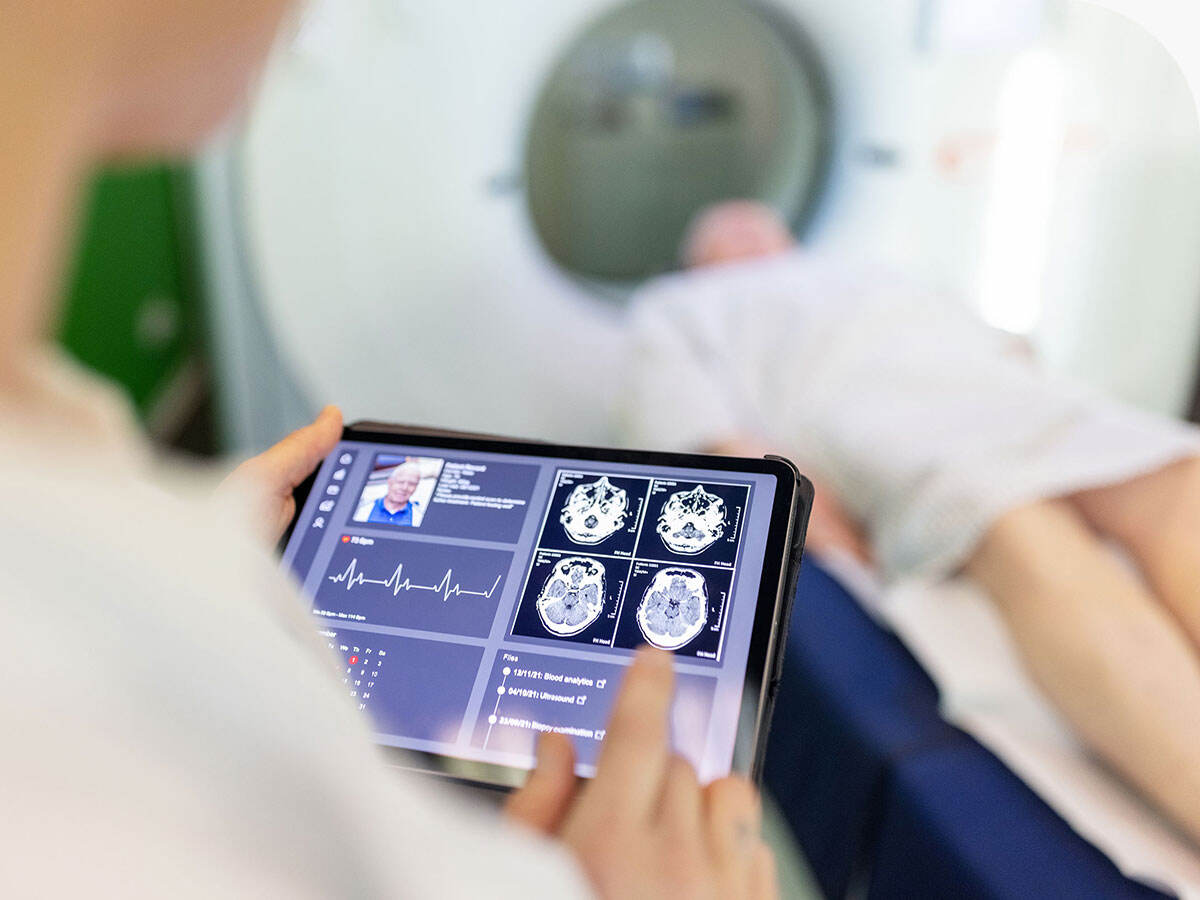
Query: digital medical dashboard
[(478, 599)]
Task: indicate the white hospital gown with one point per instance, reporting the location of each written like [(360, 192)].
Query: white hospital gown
[(172, 726), (927, 424)]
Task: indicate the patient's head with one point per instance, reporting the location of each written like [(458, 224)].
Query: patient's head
[(734, 230)]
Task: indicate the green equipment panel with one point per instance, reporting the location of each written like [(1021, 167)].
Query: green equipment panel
[(133, 305)]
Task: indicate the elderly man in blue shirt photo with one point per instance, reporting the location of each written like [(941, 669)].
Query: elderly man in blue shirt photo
[(397, 507)]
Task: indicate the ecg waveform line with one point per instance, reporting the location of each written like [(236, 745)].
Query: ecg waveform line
[(396, 583)]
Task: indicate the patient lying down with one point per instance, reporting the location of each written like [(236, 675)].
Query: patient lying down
[(939, 446)]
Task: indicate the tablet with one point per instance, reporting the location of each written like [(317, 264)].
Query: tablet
[(480, 591)]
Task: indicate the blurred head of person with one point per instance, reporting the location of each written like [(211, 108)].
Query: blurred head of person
[(402, 484), (83, 82), (733, 231), (145, 76)]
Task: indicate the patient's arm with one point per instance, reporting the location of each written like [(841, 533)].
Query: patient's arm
[(1116, 663)]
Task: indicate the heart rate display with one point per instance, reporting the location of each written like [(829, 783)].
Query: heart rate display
[(422, 586), (351, 578)]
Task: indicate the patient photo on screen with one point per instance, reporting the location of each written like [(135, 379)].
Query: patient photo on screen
[(398, 490)]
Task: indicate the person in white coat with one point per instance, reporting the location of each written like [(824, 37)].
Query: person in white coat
[(171, 724)]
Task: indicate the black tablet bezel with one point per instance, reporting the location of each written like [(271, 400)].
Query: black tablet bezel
[(785, 543)]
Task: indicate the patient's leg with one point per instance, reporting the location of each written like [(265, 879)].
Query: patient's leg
[(1108, 655), (1157, 517)]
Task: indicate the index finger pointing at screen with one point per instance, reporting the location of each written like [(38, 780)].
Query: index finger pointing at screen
[(634, 757)]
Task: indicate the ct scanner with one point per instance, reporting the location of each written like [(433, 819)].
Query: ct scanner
[(372, 228), (431, 212)]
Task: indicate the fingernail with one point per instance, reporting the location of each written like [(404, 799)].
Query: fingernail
[(652, 656), (547, 748), (553, 753)]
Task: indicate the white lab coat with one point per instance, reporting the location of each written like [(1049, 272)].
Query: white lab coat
[(172, 726)]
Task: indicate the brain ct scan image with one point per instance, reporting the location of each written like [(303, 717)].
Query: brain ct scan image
[(594, 511), (692, 521), (674, 608), (573, 596)]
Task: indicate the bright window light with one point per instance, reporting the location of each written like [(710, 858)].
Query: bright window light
[(1016, 228)]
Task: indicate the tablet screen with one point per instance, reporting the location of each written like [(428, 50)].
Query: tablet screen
[(477, 598)]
